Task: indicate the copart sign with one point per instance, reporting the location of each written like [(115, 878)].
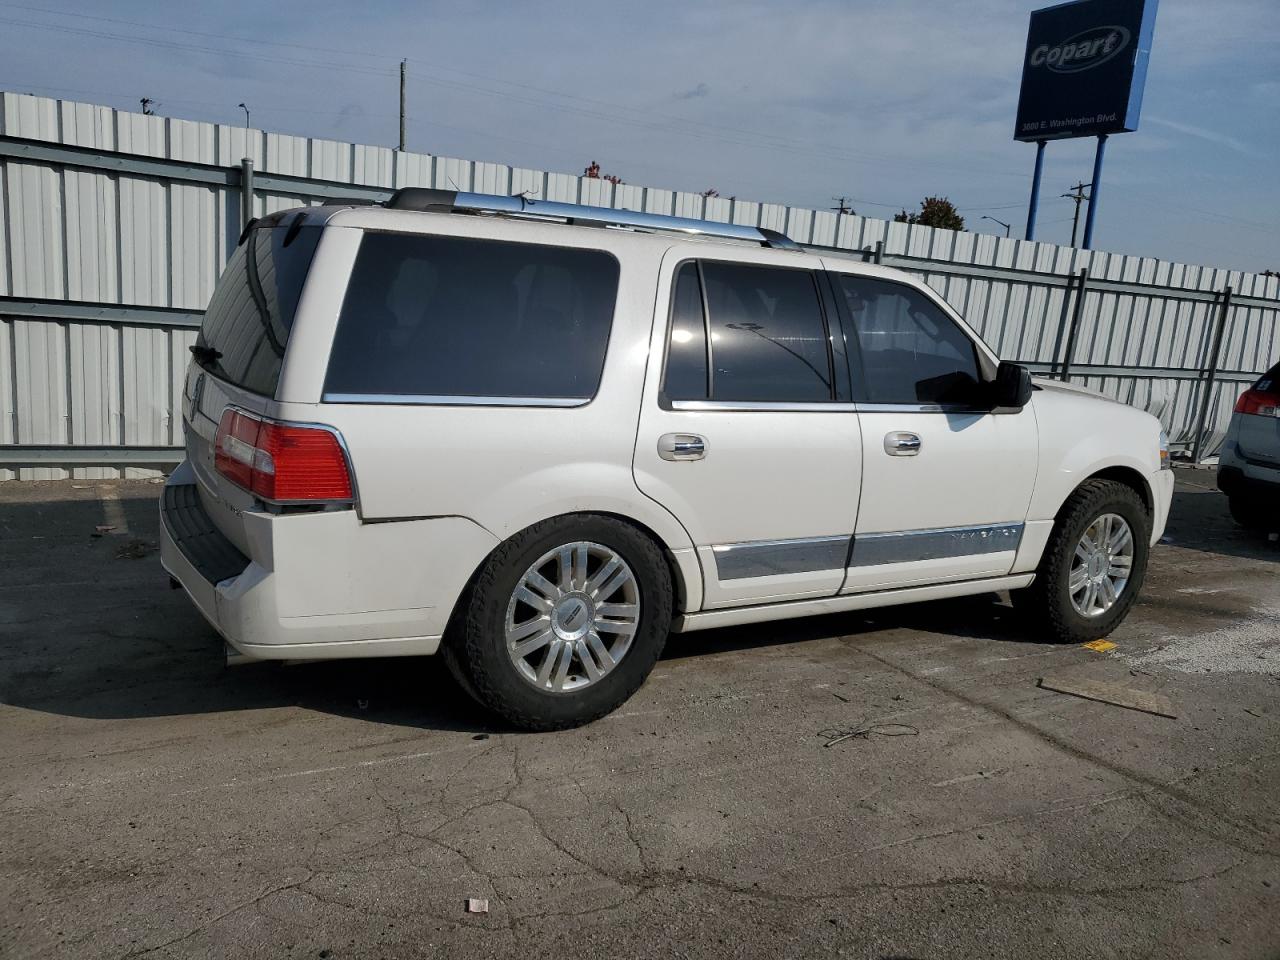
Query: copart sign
[(1084, 69)]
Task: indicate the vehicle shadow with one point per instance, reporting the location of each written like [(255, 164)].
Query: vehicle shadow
[(1200, 520), (89, 628), (408, 692), (984, 616)]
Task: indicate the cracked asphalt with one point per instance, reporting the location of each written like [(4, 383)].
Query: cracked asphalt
[(157, 804)]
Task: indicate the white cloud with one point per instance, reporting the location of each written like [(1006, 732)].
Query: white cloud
[(1203, 133)]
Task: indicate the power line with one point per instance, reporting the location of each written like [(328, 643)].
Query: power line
[(194, 33), (177, 45), (771, 140), (691, 128)]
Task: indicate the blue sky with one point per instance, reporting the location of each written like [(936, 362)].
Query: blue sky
[(883, 101)]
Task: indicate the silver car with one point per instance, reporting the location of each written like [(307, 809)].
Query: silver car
[(1249, 466)]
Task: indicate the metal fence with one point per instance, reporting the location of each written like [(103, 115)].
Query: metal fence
[(115, 227)]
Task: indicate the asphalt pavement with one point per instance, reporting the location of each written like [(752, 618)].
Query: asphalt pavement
[(883, 784)]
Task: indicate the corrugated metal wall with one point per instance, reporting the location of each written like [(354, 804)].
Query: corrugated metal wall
[(80, 234)]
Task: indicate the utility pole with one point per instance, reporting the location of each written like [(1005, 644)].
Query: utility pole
[(1078, 195), (843, 207), (146, 106), (402, 72)]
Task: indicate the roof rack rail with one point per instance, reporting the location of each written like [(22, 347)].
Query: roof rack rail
[(452, 201)]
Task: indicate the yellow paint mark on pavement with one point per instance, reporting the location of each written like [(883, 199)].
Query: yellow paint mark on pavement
[(1100, 646)]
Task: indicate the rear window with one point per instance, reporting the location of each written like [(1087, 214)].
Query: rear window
[(249, 318), (449, 317)]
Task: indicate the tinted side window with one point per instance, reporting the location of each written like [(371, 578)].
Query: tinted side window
[(768, 335), (686, 376), (912, 352), (251, 312), (455, 317)]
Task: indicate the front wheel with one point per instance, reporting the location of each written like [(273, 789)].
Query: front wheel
[(564, 622), (1093, 565)]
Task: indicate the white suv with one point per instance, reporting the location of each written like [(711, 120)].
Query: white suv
[(540, 437)]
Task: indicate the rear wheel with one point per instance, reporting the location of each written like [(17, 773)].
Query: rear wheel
[(1252, 514), (564, 621), (1093, 565)]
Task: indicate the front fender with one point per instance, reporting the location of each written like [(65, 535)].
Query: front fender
[(1081, 436)]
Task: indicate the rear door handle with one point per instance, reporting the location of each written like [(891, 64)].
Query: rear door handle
[(682, 446), (901, 443)]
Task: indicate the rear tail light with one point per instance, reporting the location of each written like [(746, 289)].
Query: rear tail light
[(280, 461), (1259, 403)]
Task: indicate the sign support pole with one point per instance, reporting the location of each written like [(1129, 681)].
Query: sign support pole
[(1035, 191), (1093, 192)]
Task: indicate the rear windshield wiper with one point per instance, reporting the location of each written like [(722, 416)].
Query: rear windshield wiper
[(205, 354)]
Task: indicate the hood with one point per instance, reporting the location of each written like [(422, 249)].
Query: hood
[(1057, 386)]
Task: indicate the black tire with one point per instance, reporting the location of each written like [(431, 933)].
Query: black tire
[(1252, 514), (1046, 604), (477, 645)]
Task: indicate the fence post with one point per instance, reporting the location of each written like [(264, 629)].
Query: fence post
[(246, 192), (1077, 309), (1062, 324), (1209, 375), (878, 256)]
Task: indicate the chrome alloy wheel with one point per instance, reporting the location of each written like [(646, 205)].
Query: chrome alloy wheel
[(1101, 566), (572, 617)]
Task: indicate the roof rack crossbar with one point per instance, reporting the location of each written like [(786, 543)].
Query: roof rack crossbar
[(448, 201)]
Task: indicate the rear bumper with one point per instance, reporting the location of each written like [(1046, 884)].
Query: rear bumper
[(1249, 480), (317, 586)]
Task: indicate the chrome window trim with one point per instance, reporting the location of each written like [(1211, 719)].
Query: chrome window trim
[(813, 406), (409, 399), (772, 558), (919, 408)]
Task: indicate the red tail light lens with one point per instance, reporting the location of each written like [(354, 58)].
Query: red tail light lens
[(1259, 403), (280, 461)]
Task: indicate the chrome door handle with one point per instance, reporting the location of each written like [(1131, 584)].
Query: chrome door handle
[(902, 444), (682, 446)]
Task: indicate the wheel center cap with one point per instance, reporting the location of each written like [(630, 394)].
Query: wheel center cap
[(572, 617), (1097, 565)]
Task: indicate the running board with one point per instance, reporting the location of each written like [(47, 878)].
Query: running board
[(736, 616)]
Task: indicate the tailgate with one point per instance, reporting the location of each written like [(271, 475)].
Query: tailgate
[(241, 351), (204, 400)]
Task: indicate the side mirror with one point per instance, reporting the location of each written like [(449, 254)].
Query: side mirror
[(1012, 385)]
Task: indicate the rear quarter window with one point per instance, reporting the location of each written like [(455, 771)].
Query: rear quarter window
[(440, 318), (249, 318)]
